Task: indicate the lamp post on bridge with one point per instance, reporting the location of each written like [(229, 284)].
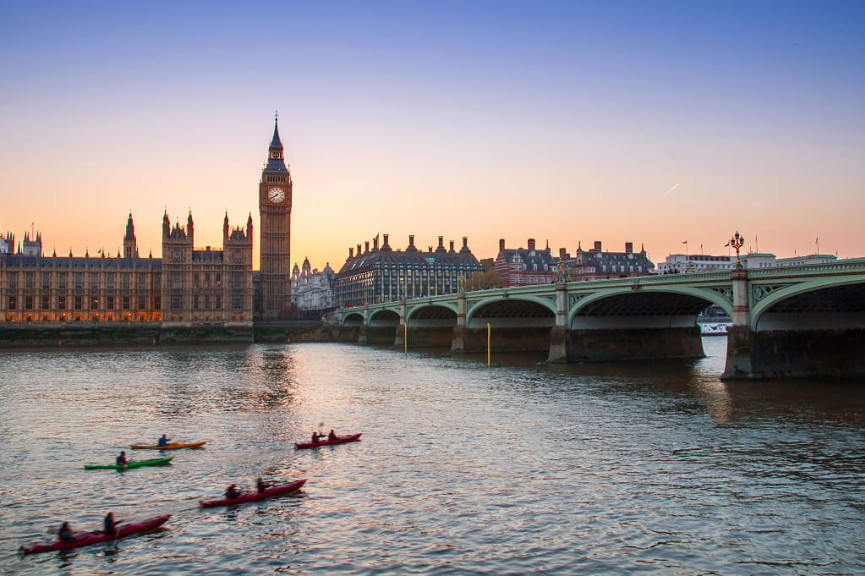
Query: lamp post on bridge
[(737, 241)]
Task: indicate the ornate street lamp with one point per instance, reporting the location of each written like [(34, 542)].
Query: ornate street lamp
[(737, 241)]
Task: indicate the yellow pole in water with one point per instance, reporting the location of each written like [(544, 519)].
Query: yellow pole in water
[(489, 340), (405, 337)]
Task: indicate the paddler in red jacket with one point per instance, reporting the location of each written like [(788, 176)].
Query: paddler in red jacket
[(65, 533)]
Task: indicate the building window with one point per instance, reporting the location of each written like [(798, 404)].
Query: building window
[(141, 302), (46, 301), (12, 303), (13, 280), (110, 302), (218, 302), (195, 301), (236, 301), (176, 301), (28, 280), (176, 280), (61, 281), (156, 302), (78, 302), (94, 303), (236, 281), (125, 282), (218, 280), (109, 281), (94, 282), (126, 302), (61, 302), (207, 301), (46, 280), (176, 255), (28, 302), (79, 280)]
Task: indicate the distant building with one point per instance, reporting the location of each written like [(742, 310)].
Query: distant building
[(691, 263), (596, 263), (525, 266), (384, 275), (804, 260), (7, 243), (312, 290)]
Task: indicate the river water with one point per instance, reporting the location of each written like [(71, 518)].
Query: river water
[(520, 468)]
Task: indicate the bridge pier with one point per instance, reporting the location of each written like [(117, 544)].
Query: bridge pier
[(399, 337), (458, 343), (618, 344), (558, 352)]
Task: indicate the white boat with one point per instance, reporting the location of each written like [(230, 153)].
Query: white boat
[(714, 328)]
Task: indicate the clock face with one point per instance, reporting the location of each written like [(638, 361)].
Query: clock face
[(276, 195)]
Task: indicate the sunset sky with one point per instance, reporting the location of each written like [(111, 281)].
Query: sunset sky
[(651, 122)]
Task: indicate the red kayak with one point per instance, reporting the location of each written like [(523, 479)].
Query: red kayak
[(88, 538), (256, 496), (339, 440)]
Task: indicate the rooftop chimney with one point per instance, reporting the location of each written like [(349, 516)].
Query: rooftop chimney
[(366, 247), (441, 245), (629, 247), (375, 242), (359, 251), (351, 252), (452, 246), (385, 245), (501, 244), (563, 253), (411, 242), (597, 245), (531, 244), (465, 242)]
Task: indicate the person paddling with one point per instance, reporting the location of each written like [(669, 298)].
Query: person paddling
[(110, 525), (232, 492), (65, 533), (121, 460), (163, 441), (332, 435), (316, 436), (261, 485)]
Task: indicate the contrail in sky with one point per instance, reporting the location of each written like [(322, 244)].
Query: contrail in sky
[(668, 192)]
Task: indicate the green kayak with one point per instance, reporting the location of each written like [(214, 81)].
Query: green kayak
[(132, 464)]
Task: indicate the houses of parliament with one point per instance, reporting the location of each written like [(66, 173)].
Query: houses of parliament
[(187, 286)]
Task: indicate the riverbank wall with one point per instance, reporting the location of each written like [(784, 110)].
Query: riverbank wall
[(87, 334)]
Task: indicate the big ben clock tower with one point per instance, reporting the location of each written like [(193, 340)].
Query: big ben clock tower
[(274, 203)]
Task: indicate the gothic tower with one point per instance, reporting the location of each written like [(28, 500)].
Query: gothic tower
[(274, 202), (130, 249)]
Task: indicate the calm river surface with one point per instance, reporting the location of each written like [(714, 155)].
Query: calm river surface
[(522, 468)]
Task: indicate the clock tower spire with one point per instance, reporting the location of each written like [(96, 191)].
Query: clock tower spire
[(274, 203)]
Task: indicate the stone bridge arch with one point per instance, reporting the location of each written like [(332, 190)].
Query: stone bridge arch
[(354, 318), (647, 306), (383, 317), (818, 304), (524, 306)]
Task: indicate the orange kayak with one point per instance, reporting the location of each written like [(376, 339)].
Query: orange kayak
[(172, 446)]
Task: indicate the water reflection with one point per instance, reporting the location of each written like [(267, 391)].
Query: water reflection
[(520, 468)]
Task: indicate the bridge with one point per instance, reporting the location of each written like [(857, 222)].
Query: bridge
[(791, 321)]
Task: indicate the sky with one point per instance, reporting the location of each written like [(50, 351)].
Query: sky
[(650, 122)]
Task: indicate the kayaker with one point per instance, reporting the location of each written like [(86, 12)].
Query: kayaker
[(110, 526), (316, 436), (65, 533), (232, 492), (121, 460), (163, 441), (332, 435), (261, 485)]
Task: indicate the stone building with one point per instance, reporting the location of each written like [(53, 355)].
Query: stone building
[(203, 285), (383, 274), (525, 266), (186, 286), (597, 263), (311, 289), (36, 288)]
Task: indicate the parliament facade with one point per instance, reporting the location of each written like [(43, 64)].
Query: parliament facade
[(187, 286)]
